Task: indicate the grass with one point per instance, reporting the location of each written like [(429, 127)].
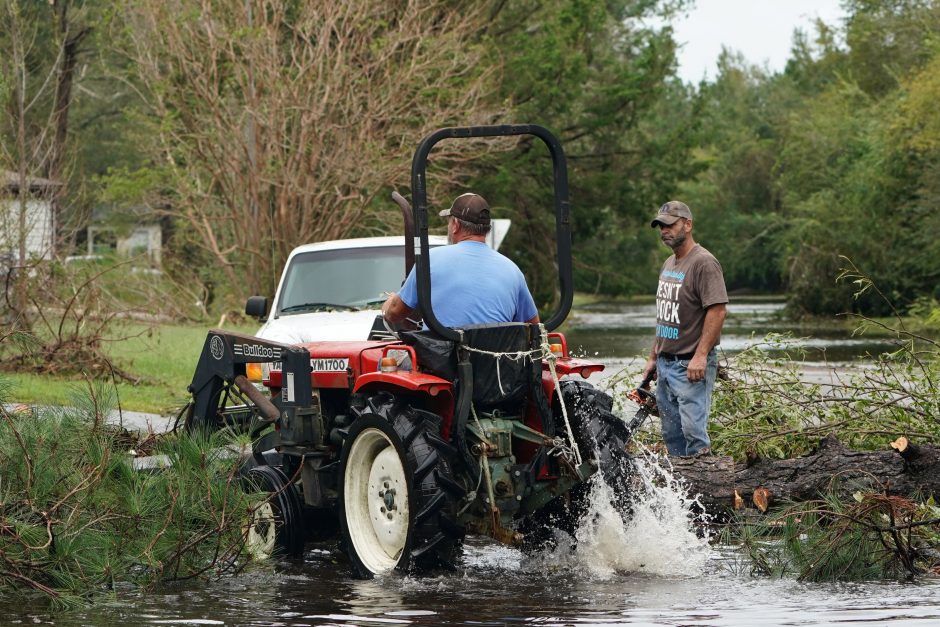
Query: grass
[(164, 357)]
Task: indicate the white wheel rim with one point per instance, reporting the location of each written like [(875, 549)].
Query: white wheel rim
[(261, 532), (375, 499)]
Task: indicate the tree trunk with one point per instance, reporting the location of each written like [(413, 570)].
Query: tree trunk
[(906, 470), (72, 37)]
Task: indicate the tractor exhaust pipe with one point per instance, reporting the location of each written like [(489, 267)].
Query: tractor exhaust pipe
[(409, 219)]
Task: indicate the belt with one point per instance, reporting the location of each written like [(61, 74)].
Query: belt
[(676, 357)]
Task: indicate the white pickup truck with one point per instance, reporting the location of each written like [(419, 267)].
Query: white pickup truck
[(334, 290)]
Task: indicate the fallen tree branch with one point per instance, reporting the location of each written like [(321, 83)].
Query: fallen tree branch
[(32, 583)]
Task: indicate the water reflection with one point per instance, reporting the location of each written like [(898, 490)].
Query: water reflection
[(622, 332)]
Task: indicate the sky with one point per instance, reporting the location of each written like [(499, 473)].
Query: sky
[(762, 30)]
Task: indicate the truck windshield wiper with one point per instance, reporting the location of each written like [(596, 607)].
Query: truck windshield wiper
[(319, 307)]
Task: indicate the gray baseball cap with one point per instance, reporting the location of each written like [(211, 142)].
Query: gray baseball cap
[(670, 212)]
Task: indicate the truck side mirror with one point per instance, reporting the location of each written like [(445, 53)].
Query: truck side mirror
[(257, 306)]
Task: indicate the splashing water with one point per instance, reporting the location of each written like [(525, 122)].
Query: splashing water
[(659, 536), (663, 532)]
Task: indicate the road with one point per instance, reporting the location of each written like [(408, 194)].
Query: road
[(131, 420)]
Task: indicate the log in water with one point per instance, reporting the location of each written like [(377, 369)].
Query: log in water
[(906, 469)]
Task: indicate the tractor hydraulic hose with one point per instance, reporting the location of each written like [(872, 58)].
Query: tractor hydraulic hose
[(268, 410)]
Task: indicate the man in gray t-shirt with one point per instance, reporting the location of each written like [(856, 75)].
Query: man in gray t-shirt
[(690, 310)]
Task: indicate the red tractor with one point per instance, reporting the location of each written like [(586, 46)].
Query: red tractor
[(405, 445)]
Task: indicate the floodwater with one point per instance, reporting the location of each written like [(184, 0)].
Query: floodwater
[(656, 571), (495, 587), (620, 336)]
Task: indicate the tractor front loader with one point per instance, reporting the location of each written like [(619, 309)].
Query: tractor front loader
[(405, 445), (221, 375)]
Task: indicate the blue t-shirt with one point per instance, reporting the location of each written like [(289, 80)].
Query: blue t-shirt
[(473, 284)]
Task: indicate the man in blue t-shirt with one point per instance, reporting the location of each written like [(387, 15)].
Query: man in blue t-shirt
[(470, 282)]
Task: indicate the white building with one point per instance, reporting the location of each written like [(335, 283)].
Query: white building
[(142, 240), (26, 215)]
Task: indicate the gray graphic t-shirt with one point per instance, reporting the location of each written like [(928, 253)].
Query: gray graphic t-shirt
[(687, 287)]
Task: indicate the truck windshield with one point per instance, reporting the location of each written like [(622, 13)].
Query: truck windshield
[(344, 279)]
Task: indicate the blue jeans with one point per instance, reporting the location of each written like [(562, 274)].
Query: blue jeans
[(684, 406)]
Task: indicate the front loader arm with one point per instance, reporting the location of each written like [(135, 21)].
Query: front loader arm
[(222, 364)]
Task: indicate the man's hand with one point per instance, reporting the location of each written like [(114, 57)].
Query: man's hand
[(696, 369), (714, 318), (395, 310), (650, 369)]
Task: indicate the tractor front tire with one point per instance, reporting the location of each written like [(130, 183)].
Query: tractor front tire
[(398, 497), (276, 525)]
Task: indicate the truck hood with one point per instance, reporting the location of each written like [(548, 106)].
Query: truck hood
[(318, 326)]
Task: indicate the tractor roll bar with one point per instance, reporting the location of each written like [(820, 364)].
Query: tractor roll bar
[(562, 223)]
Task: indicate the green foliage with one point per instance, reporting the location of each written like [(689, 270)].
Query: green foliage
[(865, 537), (765, 408), (78, 519), (762, 408), (834, 157), (926, 312), (100, 129), (886, 39), (593, 73), (785, 172), (734, 196), (77, 311)]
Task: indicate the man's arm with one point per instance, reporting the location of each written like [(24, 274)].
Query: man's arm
[(395, 310), (533, 320), (711, 331)]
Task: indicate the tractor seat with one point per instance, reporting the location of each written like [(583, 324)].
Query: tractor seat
[(500, 380)]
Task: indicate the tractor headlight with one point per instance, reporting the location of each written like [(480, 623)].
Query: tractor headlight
[(255, 372)]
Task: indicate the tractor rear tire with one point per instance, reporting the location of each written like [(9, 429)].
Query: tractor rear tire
[(276, 526), (397, 492), (600, 435)]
